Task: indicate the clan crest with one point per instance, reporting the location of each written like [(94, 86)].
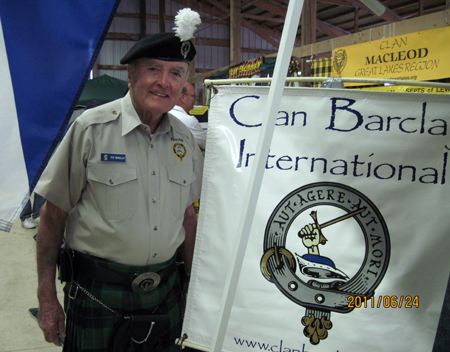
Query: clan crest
[(308, 220), (340, 60)]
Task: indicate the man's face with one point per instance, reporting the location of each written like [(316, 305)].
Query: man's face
[(155, 85), (190, 97)]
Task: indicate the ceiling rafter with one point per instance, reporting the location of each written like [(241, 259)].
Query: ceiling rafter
[(332, 31), (265, 32), (333, 18), (268, 6)]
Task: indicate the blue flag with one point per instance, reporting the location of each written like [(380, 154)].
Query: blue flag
[(47, 49)]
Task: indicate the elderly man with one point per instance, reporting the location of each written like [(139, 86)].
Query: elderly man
[(119, 192), (181, 109)]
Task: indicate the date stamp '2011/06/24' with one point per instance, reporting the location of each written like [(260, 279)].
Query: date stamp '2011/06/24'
[(383, 302)]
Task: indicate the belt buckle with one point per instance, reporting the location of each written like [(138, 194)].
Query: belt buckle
[(73, 291), (145, 282)]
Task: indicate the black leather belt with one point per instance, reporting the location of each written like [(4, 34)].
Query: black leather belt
[(142, 283)]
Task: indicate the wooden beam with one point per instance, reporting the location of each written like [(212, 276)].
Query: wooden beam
[(192, 66), (212, 42), (268, 6), (235, 32), (167, 18), (309, 19), (142, 19), (162, 16), (332, 31), (220, 6), (308, 29), (388, 14), (122, 36), (112, 67), (348, 3), (262, 18)]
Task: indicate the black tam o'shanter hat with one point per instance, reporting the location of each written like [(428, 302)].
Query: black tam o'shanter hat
[(168, 46)]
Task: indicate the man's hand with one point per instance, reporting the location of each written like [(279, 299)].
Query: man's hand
[(310, 236), (51, 321), (309, 230)]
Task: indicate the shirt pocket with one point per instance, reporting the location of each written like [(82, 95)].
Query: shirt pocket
[(180, 177), (114, 188)]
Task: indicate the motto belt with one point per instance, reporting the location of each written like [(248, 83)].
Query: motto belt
[(142, 283)]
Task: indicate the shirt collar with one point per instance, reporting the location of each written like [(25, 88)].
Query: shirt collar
[(132, 120), (179, 108)]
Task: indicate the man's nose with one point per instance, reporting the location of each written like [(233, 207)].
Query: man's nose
[(164, 79)]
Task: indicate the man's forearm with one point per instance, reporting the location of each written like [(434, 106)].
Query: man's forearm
[(49, 240), (190, 229)]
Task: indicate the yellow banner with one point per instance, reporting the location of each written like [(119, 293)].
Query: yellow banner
[(419, 56), (246, 69)]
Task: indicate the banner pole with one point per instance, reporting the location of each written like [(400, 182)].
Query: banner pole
[(211, 82), (268, 125)]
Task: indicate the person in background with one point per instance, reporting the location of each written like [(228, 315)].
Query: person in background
[(30, 215), (181, 109), (119, 192)]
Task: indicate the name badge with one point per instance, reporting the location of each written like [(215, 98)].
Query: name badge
[(118, 158)]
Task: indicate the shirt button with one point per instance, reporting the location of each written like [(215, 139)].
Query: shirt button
[(155, 228), (151, 145), (154, 255), (111, 182), (154, 200), (153, 173), (114, 112)]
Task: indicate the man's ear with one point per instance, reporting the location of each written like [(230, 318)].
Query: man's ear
[(182, 98), (130, 73)]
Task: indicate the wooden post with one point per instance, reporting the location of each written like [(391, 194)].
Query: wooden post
[(235, 32), (142, 18), (308, 33), (192, 4), (162, 16)]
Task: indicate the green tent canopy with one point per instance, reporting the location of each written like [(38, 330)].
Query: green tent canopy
[(103, 89)]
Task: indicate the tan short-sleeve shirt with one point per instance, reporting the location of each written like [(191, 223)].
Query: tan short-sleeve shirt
[(125, 190)]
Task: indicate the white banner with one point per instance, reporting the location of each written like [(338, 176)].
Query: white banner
[(349, 246)]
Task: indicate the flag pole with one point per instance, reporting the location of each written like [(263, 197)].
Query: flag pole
[(265, 137)]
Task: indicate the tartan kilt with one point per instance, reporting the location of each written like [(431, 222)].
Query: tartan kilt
[(89, 324)]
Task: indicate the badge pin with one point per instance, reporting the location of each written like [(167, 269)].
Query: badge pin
[(185, 48), (180, 151)]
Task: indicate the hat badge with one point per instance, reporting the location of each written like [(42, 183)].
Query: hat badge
[(185, 48)]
